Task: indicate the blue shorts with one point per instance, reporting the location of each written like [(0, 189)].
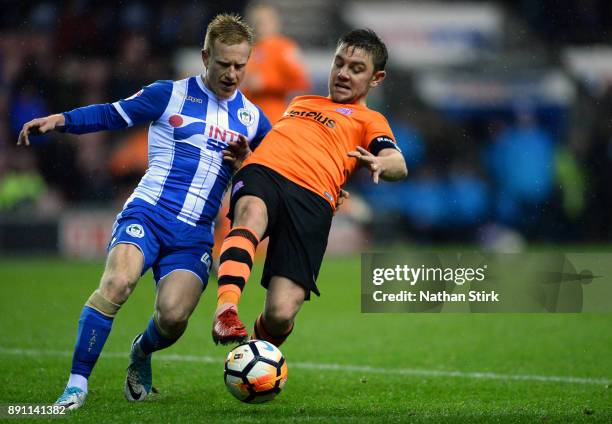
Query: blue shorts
[(166, 243)]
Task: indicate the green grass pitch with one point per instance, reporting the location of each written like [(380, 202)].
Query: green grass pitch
[(344, 366)]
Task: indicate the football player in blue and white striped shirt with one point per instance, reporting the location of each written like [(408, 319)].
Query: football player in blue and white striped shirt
[(201, 129)]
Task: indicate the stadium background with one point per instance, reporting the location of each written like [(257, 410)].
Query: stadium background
[(500, 107), (502, 110)]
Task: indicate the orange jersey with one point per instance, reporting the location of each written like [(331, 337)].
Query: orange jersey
[(309, 145), (278, 71)]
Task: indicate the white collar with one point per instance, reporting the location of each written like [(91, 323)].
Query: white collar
[(210, 93)]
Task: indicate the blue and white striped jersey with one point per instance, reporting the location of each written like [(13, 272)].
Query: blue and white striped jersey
[(189, 127)]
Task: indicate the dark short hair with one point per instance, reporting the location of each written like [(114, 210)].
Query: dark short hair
[(368, 41)]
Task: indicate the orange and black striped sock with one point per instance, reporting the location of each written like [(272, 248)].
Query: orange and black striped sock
[(261, 333), (237, 253)]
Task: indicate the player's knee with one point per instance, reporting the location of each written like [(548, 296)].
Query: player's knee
[(171, 317), (251, 211), (279, 317), (116, 286)]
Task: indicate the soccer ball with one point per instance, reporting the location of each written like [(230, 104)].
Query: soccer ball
[(255, 371)]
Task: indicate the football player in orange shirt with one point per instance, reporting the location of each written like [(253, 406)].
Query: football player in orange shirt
[(288, 189), (275, 69)]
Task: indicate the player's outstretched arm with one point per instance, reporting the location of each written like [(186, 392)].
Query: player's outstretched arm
[(145, 106), (40, 126), (389, 164)]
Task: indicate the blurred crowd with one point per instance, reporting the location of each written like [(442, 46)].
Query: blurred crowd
[(520, 172), (506, 173)]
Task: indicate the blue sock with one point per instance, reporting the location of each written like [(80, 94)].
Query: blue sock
[(152, 340), (94, 329)]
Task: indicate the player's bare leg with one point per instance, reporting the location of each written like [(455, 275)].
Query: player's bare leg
[(237, 254), (283, 301), (121, 273), (177, 297)]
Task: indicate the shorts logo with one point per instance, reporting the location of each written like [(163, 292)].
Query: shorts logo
[(329, 196), (345, 110), (135, 230), (206, 260), (237, 187), (246, 117)]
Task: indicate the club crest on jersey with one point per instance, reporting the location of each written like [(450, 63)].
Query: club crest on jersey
[(246, 117), (135, 230), (345, 110)]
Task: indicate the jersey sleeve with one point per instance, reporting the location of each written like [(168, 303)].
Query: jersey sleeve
[(92, 118), (263, 128), (147, 105), (378, 135)]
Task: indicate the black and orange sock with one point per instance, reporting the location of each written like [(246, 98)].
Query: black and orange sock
[(261, 333), (237, 254)]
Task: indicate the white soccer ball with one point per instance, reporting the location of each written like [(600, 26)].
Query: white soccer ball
[(255, 371)]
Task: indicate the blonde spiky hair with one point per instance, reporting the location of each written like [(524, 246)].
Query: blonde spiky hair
[(229, 29)]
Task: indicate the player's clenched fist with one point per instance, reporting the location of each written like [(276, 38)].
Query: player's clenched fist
[(39, 126)]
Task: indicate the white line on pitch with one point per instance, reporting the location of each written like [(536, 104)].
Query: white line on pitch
[(339, 367)]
